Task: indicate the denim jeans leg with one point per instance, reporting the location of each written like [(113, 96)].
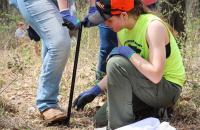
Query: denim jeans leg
[(108, 40), (44, 50), (44, 17)]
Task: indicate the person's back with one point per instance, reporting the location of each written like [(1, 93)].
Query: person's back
[(19, 33)]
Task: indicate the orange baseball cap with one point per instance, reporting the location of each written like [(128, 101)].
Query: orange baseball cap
[(108, 8), (114, 7)]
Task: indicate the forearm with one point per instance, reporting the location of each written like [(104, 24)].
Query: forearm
[(103, 83), (146, 68), (92, 2), (62, 4)]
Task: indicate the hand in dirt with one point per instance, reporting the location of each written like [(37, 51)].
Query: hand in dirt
[(86, 97)]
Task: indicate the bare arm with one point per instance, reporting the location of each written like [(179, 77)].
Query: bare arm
[(157, 38), (62, 4), (103, 83), (92, 2)]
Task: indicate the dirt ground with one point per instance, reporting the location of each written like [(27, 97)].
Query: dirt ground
[(19, 70)]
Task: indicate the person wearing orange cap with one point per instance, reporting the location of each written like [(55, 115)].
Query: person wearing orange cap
[(144, 73), (108, 38)]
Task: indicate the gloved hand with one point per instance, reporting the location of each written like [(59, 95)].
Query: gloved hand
[(70, 21), (86, 97), (91, 10), (125, 51), (86, 22)]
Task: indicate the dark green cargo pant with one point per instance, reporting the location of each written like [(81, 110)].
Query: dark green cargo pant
[(129, 93)]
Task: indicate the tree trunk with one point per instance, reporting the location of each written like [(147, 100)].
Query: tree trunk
[(174, 12), (193, 8), (3, 6)]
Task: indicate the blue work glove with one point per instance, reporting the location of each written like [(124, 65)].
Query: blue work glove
[(125, 51), (86, 97), (72, 22), (91, 10), (86, 22)]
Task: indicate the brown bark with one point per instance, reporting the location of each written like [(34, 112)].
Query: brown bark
[(3, 5), (174, 12)]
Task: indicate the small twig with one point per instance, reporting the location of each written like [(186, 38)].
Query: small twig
[(9, 84)]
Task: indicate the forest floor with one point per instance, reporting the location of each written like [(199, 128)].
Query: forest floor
[(20, 67)]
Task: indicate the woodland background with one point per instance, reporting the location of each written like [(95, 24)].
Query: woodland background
[(20, 67)]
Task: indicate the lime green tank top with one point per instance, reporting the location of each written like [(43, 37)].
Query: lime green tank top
[(136, 38)]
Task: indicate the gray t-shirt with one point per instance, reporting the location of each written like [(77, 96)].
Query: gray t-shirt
[(20, 33)]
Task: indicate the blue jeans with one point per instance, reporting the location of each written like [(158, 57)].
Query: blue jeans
[(108, 40), (43, 16)]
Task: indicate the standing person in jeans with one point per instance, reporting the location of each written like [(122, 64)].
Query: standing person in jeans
[(44, 17), (108, 40), (143, 73)]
